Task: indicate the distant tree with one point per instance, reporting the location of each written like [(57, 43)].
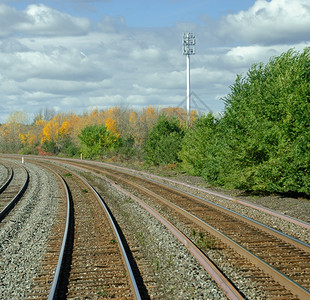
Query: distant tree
[(10, 141)]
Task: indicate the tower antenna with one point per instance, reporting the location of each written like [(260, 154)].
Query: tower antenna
[(189, 48)]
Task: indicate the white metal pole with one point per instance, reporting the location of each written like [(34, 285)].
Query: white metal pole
[(188, 88), (188, 49)]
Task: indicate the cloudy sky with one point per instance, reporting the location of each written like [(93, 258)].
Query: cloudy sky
[(76, 55)]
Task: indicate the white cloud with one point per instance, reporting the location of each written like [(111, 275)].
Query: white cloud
[(52, 59), (40, 20), (269, 22), (10, 20), (12, 46), (48, 21), (111, 24)]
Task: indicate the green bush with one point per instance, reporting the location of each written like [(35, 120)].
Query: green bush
[(97, 140), (69, 148), (267, 118), (164, 141), (198, 144), (50, 147)]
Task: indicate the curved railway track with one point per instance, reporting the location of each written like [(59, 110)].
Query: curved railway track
[(64, 291), (13, 188), (279, 264), (92, 261), (221, 195), (283, 261)]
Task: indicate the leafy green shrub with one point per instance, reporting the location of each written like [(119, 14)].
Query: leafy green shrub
[(97, 140), (50, 147), (268, 114), (69, 148), (198, 144), (164, 141)]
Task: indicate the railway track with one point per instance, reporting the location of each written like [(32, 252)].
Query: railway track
[(282, 261), (42, 282), (92, 261), (209, 192), (204, 221), (13, 188)]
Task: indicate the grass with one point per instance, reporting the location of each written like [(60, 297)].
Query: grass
[(157, 265), (102, 291), (204, 242)]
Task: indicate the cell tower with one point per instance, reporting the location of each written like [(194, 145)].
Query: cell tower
[(189, 42)]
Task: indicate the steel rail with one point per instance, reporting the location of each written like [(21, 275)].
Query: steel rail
[(226, 286), (56, 279), (53, 291), (7, 182), (17, 197), (248, 204)]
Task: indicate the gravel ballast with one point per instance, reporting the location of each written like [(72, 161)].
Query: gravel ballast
[(25, 232), (3, 174)]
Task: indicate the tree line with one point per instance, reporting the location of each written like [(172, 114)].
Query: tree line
[(261, 142), (116, 133)]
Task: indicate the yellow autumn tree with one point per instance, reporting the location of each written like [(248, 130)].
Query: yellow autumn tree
[(10, 131), (150, 116), (111, 126), (49, 131), (63, 129), (28, 139)]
